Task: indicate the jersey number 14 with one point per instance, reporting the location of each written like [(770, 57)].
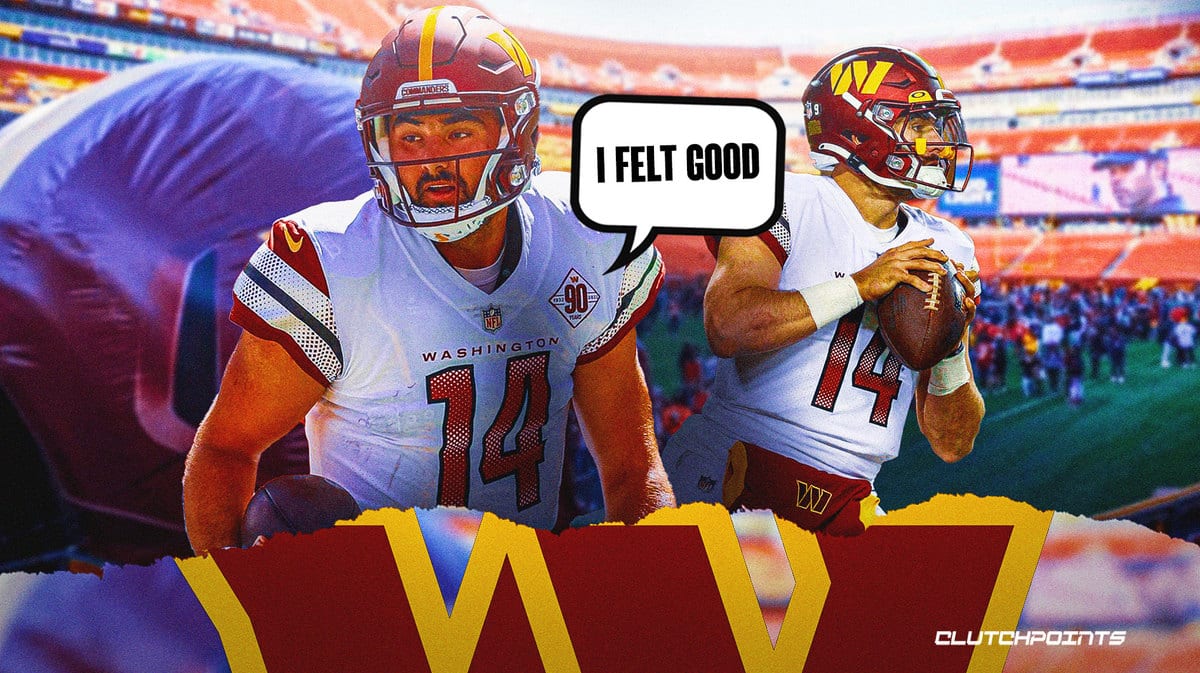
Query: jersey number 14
[(527, 387), (885, 384)]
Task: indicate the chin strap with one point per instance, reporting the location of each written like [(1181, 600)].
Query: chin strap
[(930, 174), (856, 164)]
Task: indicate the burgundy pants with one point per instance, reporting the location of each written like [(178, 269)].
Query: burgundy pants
[(813, 499)]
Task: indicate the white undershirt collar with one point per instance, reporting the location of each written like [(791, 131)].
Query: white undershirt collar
[(886, 235), (485, 279)]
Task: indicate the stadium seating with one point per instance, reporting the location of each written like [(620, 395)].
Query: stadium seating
[(1040, 52), (997, 248), (1084, 254), (1096, 138), (1168, 256), (111, 33), (1021, 61), (366, 23), (1133, 40), (1068, 255), (581, 62), (25, 85), (1029, 119), (554, 147), (55, 59)]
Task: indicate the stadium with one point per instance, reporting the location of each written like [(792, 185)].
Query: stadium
[(1083, 203)]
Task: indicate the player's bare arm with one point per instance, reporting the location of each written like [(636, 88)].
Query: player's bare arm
[(263, 395), (951, 421), (613, 407), (745, 312)]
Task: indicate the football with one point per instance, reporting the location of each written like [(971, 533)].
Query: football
[(298, 503), (923, 328)]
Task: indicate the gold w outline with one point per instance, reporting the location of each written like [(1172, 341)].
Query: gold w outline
[(515, 50)]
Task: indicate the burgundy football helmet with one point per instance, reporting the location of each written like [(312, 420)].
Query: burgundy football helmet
[(438, 60), (885, 113)]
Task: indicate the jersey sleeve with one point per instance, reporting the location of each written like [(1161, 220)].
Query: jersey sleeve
[(639, 287), (778, 239), (282, 296), (971, 263)]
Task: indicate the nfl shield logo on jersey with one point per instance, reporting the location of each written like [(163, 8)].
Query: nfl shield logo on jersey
[(491, 318), (575, 298)]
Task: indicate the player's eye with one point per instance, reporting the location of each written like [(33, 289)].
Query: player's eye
[(406, 135)]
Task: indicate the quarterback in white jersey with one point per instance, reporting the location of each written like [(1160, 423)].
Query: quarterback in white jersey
[(808, 401), (433, 338), (440, 393)]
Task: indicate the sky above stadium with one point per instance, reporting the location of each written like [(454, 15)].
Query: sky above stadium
[(807, 24)]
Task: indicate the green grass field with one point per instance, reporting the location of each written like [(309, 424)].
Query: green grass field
[(664, 349), (1122, 444)]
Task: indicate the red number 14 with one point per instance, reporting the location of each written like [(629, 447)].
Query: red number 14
[(885, 385), (526, 386)]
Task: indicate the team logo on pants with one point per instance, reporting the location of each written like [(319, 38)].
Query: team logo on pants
[(811, 497)]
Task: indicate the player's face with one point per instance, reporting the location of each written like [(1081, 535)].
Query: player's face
[(443, 182), (1132, 184), (923, 128)]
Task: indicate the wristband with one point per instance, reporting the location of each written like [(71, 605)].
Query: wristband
[(831, 300), (950, 374)]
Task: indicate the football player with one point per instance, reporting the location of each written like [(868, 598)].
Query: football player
[(808, 402), (432, 335)]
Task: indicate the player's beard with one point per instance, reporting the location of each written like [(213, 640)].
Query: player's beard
[(427, 199)]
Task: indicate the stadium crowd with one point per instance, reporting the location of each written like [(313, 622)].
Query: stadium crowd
[(1057, 335), (1060, 336)]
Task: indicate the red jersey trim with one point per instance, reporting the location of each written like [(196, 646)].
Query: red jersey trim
[(773, 244), (249, 321), (638, 313), (294, 245)]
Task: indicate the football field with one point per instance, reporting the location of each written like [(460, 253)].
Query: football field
[(1122, 444)]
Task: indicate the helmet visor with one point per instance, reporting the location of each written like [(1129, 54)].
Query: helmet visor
[(935, 136)]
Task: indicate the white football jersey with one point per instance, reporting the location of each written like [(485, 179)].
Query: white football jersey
[(838, 399), (440, 393)]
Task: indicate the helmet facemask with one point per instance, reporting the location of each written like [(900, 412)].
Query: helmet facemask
[(931, 153), (501, 174)]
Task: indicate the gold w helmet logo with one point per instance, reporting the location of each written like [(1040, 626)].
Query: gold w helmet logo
[(865, 77), (512, 46)]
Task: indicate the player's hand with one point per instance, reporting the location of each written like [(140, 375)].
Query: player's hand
[(900, 265), (968, 280)]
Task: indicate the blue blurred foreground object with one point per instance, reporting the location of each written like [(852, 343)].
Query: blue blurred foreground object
[(127, 210)]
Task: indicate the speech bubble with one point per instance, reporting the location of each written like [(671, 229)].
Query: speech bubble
[(649, 165)]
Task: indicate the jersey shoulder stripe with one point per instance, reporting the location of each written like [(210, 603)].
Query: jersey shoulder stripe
[(640, 283), (778, 239), (282, 296)]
